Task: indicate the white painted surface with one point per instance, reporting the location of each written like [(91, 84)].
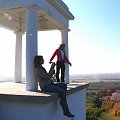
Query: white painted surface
[(64, 35), (51, 111), (31, 47), (55, 14), (77, 104), (18, 57)]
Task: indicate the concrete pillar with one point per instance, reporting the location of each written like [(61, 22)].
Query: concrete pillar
[(31, 47), (18, 57), (64, 35)]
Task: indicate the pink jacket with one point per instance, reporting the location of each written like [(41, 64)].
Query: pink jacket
[(59, 57)]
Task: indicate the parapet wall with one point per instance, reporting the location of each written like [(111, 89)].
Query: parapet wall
[(44, 106)]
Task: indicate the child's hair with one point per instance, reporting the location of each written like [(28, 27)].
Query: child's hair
[(61, 45)]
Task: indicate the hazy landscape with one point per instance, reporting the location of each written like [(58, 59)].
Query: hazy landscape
[(82, 77), (96, 77)]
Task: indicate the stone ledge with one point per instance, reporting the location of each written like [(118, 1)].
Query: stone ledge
[(15, 92)]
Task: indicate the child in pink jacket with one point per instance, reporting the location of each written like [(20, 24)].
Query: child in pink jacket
[(60, 64)]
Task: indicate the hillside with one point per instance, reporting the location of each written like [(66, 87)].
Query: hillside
[(115, 109)]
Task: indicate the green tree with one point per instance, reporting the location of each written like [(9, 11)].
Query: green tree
[(97, 102)]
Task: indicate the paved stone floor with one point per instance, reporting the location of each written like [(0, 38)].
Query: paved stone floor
[(16, 89), (16, 92), (20, 88)]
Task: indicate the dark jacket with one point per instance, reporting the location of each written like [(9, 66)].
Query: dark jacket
[(42, 76)]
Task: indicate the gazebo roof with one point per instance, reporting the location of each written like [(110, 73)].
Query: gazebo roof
[(52, 14)]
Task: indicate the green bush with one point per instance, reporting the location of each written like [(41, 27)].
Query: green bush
[(94, 107)]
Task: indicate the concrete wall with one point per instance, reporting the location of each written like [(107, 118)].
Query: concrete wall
[(50, 111)]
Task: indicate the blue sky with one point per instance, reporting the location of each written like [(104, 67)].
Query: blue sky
[(96, 34), (94, 39)]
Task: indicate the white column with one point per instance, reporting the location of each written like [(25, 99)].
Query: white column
[(31, 47), (64, 35), (18, 57)]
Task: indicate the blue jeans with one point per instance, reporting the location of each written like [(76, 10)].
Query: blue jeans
[(60, 88)]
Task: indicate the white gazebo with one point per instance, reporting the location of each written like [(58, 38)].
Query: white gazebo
[(31, 16)]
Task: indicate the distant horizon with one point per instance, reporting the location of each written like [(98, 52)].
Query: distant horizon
[(97, 73), (77, 76)]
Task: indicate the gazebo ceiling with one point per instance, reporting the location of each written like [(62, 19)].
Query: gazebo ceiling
[(15, 19)]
